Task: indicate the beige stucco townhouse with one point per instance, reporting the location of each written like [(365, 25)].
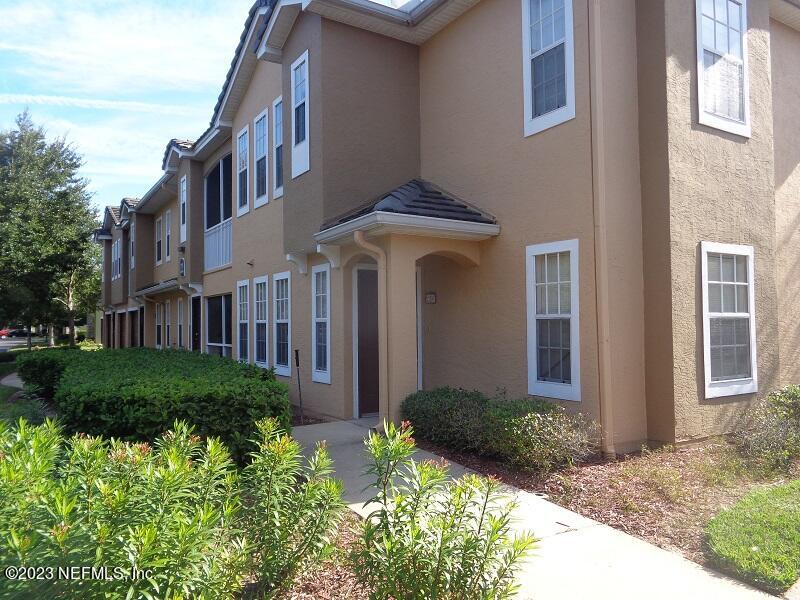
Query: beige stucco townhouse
[(596, 202)]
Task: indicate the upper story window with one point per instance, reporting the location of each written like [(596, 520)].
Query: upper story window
[(260, 157), (116, 260), (158, 240), (132, 246), (183, 202), (218, 184), (242, 162), (300, 99), (729, 326), (722, 82), (548, 63), (277, 147), (168, 234)]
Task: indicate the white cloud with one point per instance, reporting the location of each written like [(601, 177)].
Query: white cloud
[(100, 104)]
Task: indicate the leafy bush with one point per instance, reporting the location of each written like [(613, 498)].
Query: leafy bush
[(530, 433), (178, 510), (769, 435), (430, 537), (136, 393)]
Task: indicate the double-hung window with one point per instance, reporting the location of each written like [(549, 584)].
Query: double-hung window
[(158, 241), (114, 262), (168, 234), (277, 148), (729, 325), (261, 314), (159, 321), (320, 323), (167, 324), (548, 63), (180, 323), (219, 329), (183, 200), (242, 164), (300, 99), (243, 314), (553, 320), (260, 141), (282, 322), (722, 78), (132, 246)]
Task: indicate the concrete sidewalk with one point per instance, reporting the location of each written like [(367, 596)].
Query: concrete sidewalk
[(12, 380), (576, 558)]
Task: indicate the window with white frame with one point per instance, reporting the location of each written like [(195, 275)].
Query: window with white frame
[(722, 77), (168, 234), (277, 147), (242, 163), (180, 323), (729, 325), (320, 323), (218, 186), (167, 324), (243, 314), (553, 320), (300, 100), (132, 246), (219, 330), (261, 314), (282, 322), (159, 320), (183, 201), (114, 263), (260, 141), (158, 241), (548, 63)]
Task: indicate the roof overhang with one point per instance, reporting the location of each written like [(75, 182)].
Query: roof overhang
[(786, 11), (382, 223), (157, 195), (159, 288)]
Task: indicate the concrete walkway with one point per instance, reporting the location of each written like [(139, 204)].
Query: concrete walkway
[(12, 380), (576, 557)]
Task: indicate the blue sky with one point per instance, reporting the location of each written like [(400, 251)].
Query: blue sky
[(119, 78)]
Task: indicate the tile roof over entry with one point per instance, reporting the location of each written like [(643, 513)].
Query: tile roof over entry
[(417, 198)]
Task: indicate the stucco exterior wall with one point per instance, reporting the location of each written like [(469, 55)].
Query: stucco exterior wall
[(785, 51), (142, 274), (721, 189), (168, 268), (119, 286)]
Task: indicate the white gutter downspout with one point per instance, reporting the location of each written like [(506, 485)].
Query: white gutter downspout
[(600, 230), (383, 324)]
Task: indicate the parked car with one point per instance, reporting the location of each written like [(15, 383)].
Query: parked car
[(18, 333), (4, 333)]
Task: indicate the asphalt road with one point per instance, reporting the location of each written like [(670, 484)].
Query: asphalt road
[(7, 344)]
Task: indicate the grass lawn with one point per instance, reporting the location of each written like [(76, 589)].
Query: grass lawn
[(758, 539), (31, 410)]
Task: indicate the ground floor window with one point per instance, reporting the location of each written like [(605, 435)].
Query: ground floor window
[(219, 326), (167, 323), (261, 314), (180, 323), (159, 320), (282, 309), (320, 323), (243, 313), (729, 326), (553, 329)]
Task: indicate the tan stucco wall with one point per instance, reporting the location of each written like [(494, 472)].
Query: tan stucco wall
[(119, 286), (167, 269), (105, 289), (142, 273), (785, 49)]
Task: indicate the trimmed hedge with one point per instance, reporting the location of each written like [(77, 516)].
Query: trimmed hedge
[(530, 433), (137, 393)]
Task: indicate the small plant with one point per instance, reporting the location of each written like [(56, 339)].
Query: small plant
[(430, 537), (662, 479)]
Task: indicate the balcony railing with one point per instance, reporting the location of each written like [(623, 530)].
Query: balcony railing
[(218, 245)]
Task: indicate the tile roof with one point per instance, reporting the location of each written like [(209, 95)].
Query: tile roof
[(115, 214), (418, 198), (175, 143), (131, 202)]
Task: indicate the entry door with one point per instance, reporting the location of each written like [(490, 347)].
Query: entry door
[(196, 323), (367, 343)]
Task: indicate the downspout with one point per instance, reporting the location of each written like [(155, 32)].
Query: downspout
[(383, 323), (600, 230)]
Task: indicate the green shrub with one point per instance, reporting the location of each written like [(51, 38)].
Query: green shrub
[(430, 537), (136, 393), (179, 509), (530, 433)]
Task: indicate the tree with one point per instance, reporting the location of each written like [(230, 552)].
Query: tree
[(46, 222)]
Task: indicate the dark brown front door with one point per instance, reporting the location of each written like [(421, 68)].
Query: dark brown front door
[(196, 323), (367, 341)]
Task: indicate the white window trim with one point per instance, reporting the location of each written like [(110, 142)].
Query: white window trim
[(221, 163), (549, 389), (159, 237), (226, 343), (239, 321), (257, 280), (167, 324), (565, 113), (114, 260), (132, 246), (168, 235), (300, 152), (712, 120), (264, 199), (733, 387), (242, 210), (180, 323), (159, 322), (317, 375), (277, 192), (183, 208), (285, 370)]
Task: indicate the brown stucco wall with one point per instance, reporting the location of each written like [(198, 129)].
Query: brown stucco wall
[(168, 269), (119, 286), (142, 274), (195, 218), (785, 50)]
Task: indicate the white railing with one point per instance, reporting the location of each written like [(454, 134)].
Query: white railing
[(218, 245)]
